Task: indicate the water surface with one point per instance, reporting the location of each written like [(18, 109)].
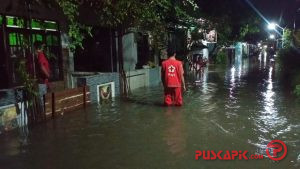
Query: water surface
[(236, 107)]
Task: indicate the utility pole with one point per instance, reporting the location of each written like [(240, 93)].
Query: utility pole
[(29, 9)]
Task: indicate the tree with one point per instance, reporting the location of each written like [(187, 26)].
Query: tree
[(287, 38), (234, 21), (151, 16), (154, 17)]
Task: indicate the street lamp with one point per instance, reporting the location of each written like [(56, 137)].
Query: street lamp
[(272, 36), (273, 26)]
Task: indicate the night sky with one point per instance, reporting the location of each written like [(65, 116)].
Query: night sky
[(281, 11)]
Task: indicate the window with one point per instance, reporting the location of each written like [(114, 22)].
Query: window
[(20, 32), (99, 53), (143, 52), (15, 22)]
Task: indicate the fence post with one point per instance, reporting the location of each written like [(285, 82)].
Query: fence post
[(53, 104), (44, 107), (84, 96)]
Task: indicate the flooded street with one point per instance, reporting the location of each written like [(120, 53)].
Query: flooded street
[(236, 107)]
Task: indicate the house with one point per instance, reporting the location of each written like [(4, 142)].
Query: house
[(97, 65), (19, 26)]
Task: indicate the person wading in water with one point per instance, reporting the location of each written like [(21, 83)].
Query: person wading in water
[(173, 79)]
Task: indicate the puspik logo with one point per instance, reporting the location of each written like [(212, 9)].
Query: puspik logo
[(276, 150), (277, 146)]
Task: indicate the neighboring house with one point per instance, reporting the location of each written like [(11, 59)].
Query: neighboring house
[(205, 45), (95, 65), (136, 56), (14, 44), (46, 25), (297, 28), (99, 62)]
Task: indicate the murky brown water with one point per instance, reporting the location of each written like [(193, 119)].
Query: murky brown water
[(238, 107)]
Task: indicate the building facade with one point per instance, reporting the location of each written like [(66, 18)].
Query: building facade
[(97, 65)]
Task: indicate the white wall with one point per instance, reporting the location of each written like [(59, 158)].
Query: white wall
[(205, 50), (68, 59), (140, 77), (129, 52), (143, 78)]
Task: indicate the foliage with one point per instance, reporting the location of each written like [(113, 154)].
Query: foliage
[(296, 37), (289, 57), (236, 22), (221, 57), (287, 38), (76, 29), (248, 28), (289, 60), (297, 90), (154, 16), (157, 16), (27, 80), (224, 30)]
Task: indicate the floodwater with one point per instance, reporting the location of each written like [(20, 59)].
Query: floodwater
[(242, 106)]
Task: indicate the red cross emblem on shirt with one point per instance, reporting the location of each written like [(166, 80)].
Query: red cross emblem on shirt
[(171, 69)]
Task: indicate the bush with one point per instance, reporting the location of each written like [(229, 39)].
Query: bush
[(289, 59), (297, 90), (221, 57), (288, 38), (296, 37)]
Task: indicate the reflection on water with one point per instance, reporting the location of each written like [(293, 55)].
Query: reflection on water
[(239, 107), (175, 134)]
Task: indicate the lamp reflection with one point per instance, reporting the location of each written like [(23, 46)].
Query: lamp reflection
[(269, 121)]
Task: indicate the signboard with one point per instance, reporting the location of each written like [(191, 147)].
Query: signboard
[(105, 91)]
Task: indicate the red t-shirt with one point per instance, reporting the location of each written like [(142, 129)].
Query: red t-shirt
[(171, 72), (42, 60)]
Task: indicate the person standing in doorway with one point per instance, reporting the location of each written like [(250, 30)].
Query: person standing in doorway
[(43, 68), (173, 79)]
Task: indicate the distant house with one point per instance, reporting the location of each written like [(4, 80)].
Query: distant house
[(297, 19), (207, 39)]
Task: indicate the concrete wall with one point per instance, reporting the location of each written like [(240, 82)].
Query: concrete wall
[(143, 78), (101, 78), (129, 52), (136, 79), (8, 97), (205, 50), (68, 61), (238, 52), (12, 112)]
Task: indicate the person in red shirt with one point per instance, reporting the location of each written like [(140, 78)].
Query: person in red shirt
[(43, 68), (173, 79)]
